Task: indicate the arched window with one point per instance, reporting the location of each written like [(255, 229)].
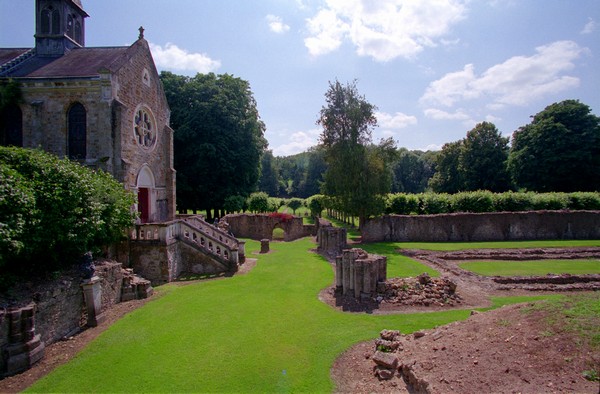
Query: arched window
[(55, 22), (77, 132), (50, 20), (77, 32), (11, 126), (46, 20), (70, 25)]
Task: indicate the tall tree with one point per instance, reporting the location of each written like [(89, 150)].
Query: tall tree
[(219, 138), (314, 173), (411, 171), (483, 159), (269, 175), (559, 150), (354, 173), (447, 177)]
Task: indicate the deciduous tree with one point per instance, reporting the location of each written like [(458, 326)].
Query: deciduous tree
[(219, 138), (559, 150)]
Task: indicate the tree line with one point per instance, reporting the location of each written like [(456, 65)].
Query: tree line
[(221, 155)]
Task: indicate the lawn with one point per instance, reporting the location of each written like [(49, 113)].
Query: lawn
[(265, 331), (533, 267)]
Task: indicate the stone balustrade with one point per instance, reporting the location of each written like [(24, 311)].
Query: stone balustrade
[(194, 231)]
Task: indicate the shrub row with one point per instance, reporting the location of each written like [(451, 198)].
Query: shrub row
[(52, 210), (484, 201)]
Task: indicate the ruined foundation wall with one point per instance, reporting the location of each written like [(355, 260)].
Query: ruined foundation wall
[(58, 305), (468, 227)]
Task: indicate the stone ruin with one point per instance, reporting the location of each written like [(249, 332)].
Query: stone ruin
[(25, 347), (331, 240), (360, 274), (61, 309)]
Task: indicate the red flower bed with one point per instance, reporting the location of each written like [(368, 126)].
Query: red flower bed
[(284, 217)]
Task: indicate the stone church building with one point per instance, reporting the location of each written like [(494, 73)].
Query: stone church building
[(101, 106)]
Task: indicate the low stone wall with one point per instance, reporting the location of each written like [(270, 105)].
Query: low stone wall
[(468, 227), (261, 226), (58, 307)]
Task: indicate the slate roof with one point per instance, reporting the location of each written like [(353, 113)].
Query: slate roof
[(79, 62), (8, 54)]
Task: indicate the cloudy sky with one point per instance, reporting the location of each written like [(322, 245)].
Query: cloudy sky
[(433, 68)]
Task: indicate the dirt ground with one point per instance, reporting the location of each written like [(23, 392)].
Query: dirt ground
[(501, 351)]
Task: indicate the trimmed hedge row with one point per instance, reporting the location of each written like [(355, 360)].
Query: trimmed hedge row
[(485, 201)]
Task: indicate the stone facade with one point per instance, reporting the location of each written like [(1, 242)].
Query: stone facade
[(104, 107), (468, 227)]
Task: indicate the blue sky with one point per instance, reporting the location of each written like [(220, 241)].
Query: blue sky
[(433, 68)]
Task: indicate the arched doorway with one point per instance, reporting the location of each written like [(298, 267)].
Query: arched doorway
[(146, 194), (278, 233)]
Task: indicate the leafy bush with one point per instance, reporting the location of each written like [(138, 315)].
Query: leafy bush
[(234, 203), (258, 202), (513, 202), (584, 200), (295, 203), (403, 204), (316, 204), (52, 210), (433, 203), (479, 201), (550, 201)]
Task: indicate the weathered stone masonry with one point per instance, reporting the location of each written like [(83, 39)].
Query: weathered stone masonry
[(502, 226)]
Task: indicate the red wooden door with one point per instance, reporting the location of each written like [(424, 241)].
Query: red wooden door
[(144, 204)]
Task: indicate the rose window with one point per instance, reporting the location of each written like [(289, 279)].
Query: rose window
[(145, 133)]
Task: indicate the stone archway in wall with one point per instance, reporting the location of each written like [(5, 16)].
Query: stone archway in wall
[(279, 232), (146, 194)]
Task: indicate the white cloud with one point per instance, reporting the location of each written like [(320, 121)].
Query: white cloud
[(327, 33), (396, 121), (382, 29), (517, 81), (438, 114), (171, 57), (276, 24), (298, 142), (589, 27)]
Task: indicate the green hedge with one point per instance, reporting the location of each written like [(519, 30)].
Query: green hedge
[(485, 201), (52, 211)]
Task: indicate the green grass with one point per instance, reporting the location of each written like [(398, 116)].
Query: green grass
[(397, 264), (533, 267), (578, 314), (265, 331)]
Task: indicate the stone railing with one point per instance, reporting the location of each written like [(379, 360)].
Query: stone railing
[(196, 232)]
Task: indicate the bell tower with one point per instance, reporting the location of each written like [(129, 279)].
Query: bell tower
[(59, 26)]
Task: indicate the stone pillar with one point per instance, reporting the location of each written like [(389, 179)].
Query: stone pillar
[(92, 293), (358, 273), (264, 246), (338, 274), (25, 347)]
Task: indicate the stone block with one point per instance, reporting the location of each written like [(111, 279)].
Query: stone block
[(386, 360)]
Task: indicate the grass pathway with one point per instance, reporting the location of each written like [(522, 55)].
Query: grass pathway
[(262, 332)]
